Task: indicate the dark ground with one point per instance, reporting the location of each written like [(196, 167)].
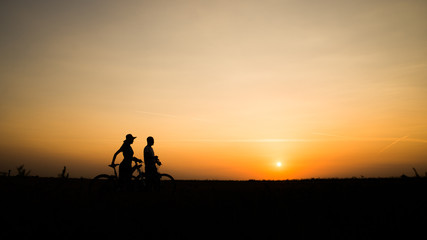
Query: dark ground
[(389, 208)]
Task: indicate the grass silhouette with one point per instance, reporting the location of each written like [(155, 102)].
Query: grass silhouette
[(302, 209), (22, 172)]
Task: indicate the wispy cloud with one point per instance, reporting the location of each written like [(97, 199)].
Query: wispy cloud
[(165, 115), (393, 143), (327, 134), (371, 139), (343, 139), (261, 140), (158, 114), (334, 137), (331, 138)]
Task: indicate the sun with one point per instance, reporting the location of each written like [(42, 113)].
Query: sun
[(278, 164)]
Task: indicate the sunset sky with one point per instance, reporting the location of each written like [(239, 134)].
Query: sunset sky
[(228, 89)]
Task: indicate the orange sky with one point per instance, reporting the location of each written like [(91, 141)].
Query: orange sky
[(226, 88)]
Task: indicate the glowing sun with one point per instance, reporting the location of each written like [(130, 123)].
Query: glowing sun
[(278, 164)]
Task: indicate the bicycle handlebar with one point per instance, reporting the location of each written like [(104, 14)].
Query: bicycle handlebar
[(113, 165), (136, 160)]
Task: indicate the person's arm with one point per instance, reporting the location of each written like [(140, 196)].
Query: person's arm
[(147, 155), (137, 160), (157, 161), (155, 158), (114, 157)]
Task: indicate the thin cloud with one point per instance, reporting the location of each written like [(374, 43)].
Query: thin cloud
[(370, 139), (263, 140), (393, 143), (165, 115), (331, 138), (158, 114), (284, 140), (327, 135), (361, 139)]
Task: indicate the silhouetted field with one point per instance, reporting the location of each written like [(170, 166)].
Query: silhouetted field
[(307, 209)]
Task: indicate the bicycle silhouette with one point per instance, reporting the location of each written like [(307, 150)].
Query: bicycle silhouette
[(110, 183)]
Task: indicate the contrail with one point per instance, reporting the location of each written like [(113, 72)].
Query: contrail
[(391, 144), (338, 138), (416, 140)]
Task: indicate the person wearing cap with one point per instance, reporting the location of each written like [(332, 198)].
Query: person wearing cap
[(125, 167)]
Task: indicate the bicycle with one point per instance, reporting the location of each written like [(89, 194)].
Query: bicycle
[(110, 183), (162, 182)]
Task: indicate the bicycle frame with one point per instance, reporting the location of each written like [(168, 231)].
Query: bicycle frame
[(140, 178), (137, 168), (115, 172)]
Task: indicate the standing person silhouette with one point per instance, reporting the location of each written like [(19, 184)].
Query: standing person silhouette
[(150, 163), (125, 167)]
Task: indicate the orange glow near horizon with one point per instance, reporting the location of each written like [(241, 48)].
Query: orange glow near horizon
[(227, 89)]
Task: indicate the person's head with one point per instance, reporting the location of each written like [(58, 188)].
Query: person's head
[(150, 141), (130, 138)]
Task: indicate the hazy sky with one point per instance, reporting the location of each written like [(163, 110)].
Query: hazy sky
[(226, 88)]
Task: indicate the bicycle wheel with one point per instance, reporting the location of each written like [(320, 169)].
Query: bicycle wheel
[(138, 183), (103, 183), (167, 183)]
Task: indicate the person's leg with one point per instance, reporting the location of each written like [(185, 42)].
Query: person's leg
[(150, 177), (156, 178), (125, 177)]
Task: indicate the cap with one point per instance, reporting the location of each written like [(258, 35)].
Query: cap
[(130, 137)]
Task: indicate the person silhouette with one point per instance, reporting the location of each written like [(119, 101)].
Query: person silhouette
[(151, 160), (125, 167)]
